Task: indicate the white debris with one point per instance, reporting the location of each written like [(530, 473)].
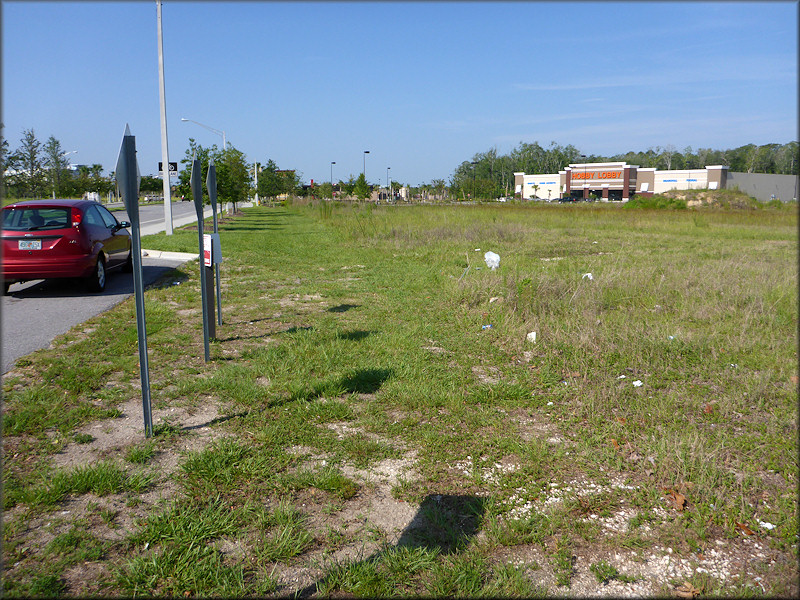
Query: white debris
[(622, 377), (638, 383), (492, 260), (531, 337), (765, 525), (587, 276)]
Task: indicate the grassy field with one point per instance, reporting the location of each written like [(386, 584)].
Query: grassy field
[(377, 419)]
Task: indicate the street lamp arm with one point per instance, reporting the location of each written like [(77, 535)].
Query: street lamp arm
[(217, 131)]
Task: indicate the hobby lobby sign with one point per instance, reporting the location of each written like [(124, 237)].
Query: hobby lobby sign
[(601, 175)]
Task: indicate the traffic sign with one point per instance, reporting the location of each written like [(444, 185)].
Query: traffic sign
[(173, 169)]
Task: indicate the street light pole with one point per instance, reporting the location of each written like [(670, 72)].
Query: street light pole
[(217, 131), (388, 185), (333, 162), (166, 185), (473, 180), (585, 185), (255, 169), (365, 164)]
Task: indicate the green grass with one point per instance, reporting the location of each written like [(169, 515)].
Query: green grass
[(352, 341), (605, 573)]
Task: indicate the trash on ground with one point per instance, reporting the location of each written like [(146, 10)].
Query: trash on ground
[(549, 404), (531, 337), (638, 383), (622, 377), (765, 525), (587, 276), (486, 326), (477, 249), (671, 337), (494, 299), (492, 260)]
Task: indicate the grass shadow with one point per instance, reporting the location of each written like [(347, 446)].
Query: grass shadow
[(366, 381), (445, 522), (354, 336), (343, 308)]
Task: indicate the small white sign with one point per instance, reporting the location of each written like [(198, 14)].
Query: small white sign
[(212, 250)]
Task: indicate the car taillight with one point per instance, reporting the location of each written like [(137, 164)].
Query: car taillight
[(77, 217)]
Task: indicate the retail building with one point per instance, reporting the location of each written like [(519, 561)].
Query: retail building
[(615, 181)]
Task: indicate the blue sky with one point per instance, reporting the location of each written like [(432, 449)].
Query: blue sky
[(422, 85)]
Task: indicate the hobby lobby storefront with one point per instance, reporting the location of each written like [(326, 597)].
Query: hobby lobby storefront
[(615, 181)]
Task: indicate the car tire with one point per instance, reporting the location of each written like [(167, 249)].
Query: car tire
[(97, 280), (6, 285), (128, 266)]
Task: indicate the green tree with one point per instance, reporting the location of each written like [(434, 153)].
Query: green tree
[(348, 187), (27, 161), (195, 150), (325, 190), (233, 176), (269, 181), (361, 189), (149, 183), (3, 162), (56, 163)]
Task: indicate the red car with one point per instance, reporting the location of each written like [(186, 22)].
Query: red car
[(44, 239)]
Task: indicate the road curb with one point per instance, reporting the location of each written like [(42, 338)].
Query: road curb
[(169, 255)]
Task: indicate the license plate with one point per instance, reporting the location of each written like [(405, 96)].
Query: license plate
[(30, 244)]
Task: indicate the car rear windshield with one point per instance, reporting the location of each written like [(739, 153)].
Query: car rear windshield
[(35, 219)]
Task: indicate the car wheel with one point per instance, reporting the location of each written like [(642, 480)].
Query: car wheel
[(97, 280), (6, 285), (128, 266)]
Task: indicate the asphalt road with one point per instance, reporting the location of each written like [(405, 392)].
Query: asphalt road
[(35, 312)]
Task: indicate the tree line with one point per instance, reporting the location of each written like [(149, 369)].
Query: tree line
[(489, 175), (36, 170)]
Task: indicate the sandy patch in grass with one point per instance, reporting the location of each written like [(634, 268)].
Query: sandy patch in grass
[(113, 436), (487, 375)]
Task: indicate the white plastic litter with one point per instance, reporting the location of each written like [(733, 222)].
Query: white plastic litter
[(765, 525), (622, 377), (587, 276), (531, 337), (638, 383), (492, 260), (549, 404)]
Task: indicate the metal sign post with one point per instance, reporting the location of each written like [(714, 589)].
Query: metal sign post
[(127, 175), (197, 194), (211, 185)]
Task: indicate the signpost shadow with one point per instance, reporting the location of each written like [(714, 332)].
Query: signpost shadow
[(444, 523)]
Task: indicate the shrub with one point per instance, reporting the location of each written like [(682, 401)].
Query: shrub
[(656, 201)]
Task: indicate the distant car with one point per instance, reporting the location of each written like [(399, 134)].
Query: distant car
[(568, 199), (48, 239)]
